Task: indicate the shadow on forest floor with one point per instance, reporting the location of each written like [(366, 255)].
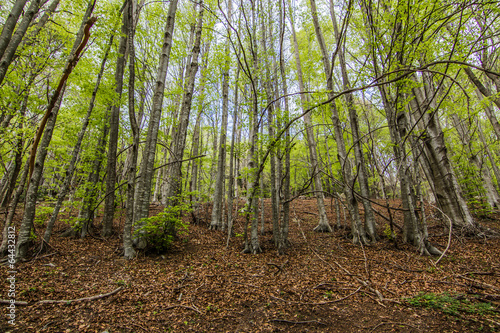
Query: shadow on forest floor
[(324, 283)]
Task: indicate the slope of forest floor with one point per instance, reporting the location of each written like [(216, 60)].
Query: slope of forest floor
[(323, 283)]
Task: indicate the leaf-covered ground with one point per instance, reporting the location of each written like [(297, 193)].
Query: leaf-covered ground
[(324, 283)]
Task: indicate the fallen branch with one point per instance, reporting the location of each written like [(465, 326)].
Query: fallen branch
[(479, 283), (298, 322), (319, 303), (50, 301), (182, 306), (91, 298), (7, 301)]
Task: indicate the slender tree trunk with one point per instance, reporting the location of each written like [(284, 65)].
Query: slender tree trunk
[(114, 128), (284, 227), (10, 24), (129, 252), (271, 128), (232, 157), (217, 217), (358, 151), (12, 43), (143, 191), (323, 223)]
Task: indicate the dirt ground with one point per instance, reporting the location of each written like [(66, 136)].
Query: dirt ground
[(323, 283)]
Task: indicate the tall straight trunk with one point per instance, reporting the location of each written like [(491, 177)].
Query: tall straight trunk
[(284, 227), (196, 165), (10, 50), (232, 157), (114, 128), (323, 223), (76, 150), (414, 229), (143, 190), (217, 218), (253, 246), (353, 118), (10, 24), (129, 252), (271, 133), (357, 228), (179, 141), (36, 170)]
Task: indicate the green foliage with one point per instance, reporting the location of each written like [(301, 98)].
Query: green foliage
[(160, 230), (452, 304), (388, 232), (42, 214)]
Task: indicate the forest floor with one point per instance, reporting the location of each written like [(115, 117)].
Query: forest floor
[(323, 283)]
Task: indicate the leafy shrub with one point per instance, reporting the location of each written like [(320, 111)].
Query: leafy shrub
[(42, 214), (160, 230)]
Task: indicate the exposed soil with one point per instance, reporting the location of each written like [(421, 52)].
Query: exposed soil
[(323, 283)]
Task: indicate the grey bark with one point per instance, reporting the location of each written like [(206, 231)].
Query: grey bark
[(448, 192), (358, 151), (129, 252), (109, 204), (10, 25), (143, 191), (8, 55), (217, 217), (323, 223)]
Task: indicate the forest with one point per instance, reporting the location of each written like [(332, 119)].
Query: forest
[(250, 165)]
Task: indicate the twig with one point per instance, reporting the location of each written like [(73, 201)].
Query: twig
[(182, 306), (81, 299), (6, 301), (392, 323), (449, 236), (478, 282), (298, 322), (319, 303)]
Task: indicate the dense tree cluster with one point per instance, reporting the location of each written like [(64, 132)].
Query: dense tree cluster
[(117, 104)]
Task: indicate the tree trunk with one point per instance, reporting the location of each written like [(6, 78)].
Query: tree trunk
[(114, 128), (129, 252), (10, 25), (217, 218), (448, 192), (143, 191), (323, 224), (358, 151), (14, 42)]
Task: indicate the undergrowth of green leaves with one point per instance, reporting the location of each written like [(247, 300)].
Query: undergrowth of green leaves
[(452, 304)]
